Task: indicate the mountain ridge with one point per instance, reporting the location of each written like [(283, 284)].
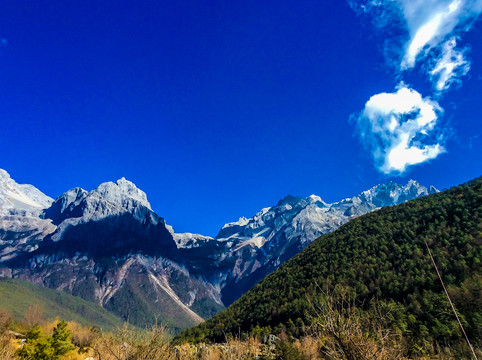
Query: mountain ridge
[(109, 246), (381, 260)]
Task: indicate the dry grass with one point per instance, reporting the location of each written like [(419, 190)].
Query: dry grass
[(7, 347), (339, 332), (128, 343), (231, 350)]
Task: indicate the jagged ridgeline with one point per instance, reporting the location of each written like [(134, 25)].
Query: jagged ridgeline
[(382, 258)]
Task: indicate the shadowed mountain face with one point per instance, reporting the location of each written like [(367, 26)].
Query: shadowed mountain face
[(115, 236), (108, 246), (380, 258), (249, 249)]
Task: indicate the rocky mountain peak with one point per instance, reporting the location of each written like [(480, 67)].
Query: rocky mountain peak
[(22, 199), (4, 174), (392, 193), (120, 190), (315, 199), (291, 201), (108, 199)]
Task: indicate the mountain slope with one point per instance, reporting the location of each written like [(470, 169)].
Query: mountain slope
[(17, 295), (382, 257), (247, 250), (108, 246), (21, 228)]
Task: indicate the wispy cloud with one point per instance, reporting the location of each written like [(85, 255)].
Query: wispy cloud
[(396, 125), (397, 128), (449, 66), (432, 27)]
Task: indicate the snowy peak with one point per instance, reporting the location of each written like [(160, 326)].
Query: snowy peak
[(114, 219), (392, 193), (20, 199), (242, 221), (315, 199), (301, 220), (71, 198), (189, 240)]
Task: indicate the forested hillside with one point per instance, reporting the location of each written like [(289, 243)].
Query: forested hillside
[(377, 261), (17, 296)]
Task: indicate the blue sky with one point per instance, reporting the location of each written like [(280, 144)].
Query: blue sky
[(219, 108)]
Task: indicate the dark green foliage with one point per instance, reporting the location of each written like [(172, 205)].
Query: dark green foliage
[(286, 351), (379, 257), (37, 345), (42, 347), (206, 307), (61, 339)]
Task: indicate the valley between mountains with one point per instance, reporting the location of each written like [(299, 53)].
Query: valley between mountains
[(108, 246)]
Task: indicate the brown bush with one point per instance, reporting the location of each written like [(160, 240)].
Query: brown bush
[(345, 332), (33, 316), (128, 343)]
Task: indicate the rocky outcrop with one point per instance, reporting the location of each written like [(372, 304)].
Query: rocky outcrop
[(108, 246)]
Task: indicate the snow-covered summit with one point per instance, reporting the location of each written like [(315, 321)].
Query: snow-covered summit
[(242, 221), (250, 248), (392, 193), (314, 199), (22, 199), (189, 240)]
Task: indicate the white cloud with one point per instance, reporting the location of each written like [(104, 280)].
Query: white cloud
[(396, 127), (429, 22), (449, 67), (432, 26)]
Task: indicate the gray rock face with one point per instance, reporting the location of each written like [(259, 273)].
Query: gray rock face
[(254, 247), (108, 199), (107, 245), (20, 234), (21, 229)]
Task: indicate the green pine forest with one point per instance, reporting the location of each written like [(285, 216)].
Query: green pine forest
[(379, 265)]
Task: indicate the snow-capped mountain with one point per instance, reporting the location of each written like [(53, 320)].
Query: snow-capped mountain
[(304, 218), (189, 240), (21, 229), (20, 199), (108, 245), (256, 246), (103, 216)]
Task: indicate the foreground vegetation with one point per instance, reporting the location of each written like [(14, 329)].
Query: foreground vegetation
[(339, 331), (367, 291)]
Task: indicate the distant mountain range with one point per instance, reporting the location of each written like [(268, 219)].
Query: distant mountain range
[(375, 274), (108, 246)]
